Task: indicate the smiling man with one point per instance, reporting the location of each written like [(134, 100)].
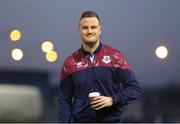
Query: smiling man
[(96, 80)]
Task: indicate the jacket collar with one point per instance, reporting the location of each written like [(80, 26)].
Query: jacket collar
[(88, 53)]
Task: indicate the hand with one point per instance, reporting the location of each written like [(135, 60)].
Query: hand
[(100, 102)]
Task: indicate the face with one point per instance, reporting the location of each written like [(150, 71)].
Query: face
[(90, 30)]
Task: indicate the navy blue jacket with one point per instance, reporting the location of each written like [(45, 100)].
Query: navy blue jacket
[(108, 73)]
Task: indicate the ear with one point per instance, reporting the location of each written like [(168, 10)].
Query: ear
[(100, 28), (78, 28)]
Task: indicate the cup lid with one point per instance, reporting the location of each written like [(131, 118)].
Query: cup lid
[(93, 94)]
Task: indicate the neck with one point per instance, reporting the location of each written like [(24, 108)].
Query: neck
[(90, 47)]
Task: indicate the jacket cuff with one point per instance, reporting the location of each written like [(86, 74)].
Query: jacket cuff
[(115, 99)]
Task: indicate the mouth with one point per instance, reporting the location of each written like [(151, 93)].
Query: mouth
[(90, 36)]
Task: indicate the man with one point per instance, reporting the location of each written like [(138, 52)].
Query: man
[(95, 67)]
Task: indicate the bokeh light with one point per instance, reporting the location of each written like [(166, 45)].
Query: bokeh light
[(17, 54), (47, 46), (161, 52), (51, 56), (15, 35)]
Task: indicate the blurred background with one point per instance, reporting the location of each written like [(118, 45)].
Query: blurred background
[(37, 35)]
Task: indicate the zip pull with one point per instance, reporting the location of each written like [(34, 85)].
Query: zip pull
[(91, 57)]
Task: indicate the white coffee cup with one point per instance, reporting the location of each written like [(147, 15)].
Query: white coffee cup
[(93, 94)]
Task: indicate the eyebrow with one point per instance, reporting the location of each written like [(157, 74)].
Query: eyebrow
[(93, 26)]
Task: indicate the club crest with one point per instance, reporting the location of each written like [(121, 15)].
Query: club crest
[(106, 59)]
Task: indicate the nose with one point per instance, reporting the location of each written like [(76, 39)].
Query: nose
[(89, 30)]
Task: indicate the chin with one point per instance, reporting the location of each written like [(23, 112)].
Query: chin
[(90, 42)]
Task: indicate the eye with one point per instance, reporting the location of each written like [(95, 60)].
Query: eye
[(93, 27), (84, 27)]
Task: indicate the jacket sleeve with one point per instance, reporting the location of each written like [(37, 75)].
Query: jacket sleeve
[(131, 89), (65, 97)]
